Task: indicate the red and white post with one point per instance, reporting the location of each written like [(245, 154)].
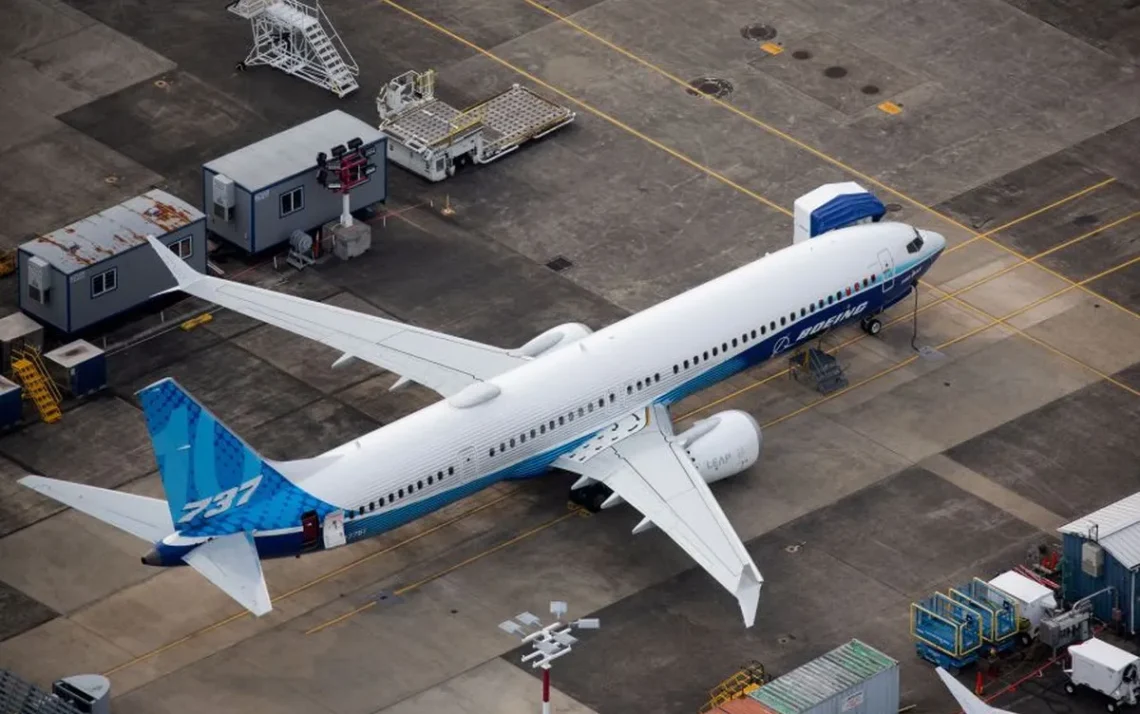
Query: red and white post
[(546, 690)]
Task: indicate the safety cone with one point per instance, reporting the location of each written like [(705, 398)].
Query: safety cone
[(979, 684)]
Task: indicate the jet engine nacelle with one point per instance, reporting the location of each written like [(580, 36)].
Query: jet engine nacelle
[(724, 444), (555, 338)]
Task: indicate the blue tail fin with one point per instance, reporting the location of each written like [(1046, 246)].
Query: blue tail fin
[(215, 483)]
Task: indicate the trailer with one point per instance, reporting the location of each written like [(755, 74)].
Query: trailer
[(431, 138), (1104, 668), (947, 633), (998, 611)]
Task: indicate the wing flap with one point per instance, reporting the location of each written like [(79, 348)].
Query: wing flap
[(231, 563), (141, 516), (442, 362)]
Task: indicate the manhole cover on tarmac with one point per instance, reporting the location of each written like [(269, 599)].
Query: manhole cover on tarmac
[(1085, 220), (835, 72), (801, 55), (710, 86), (869, 89), (758, 32)]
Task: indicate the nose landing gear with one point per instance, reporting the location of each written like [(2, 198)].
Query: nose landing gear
[(871, 325)]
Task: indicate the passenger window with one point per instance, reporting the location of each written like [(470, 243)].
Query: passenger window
[(532, 433), (763, 330), (706, 356), (438, 475), (512, 443), (522, 438), (772, 326), (856, 286), (686, 363), (450, 470), (734, 343), (811, 308), (714, 352), (696, 359), (629, 389), (676, 369), (429, 480), (502, 447), (542, 429), (601, 403), (639, 385), (724, 347), (839, 295), (419, 484), (656, 377), (561, 420), (783, 321), (611, 397), (400, 493), (571, 416), (552, 425), (491, 451), (591, 407), (754, 334), (829, 299), (874, 278)]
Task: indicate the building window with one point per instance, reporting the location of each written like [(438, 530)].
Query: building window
[(104, 282), (292, 201), (183, 247)]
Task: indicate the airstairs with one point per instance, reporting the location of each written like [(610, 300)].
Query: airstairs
[(822, 369), (38, 386), (300, 40)]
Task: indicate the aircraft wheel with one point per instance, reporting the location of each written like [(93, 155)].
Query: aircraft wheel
[(1069, 688), (239, 67), (872, 326)]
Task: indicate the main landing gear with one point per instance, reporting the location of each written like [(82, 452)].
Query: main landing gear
[(871, 325)]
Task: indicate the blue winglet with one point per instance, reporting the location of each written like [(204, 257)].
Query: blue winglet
[(215, 483)]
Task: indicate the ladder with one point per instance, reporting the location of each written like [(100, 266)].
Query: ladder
[(823, 369), (38, 386), (292, 37), (750, 678)]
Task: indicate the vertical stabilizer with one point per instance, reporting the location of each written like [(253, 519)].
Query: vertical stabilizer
[(215, 483)]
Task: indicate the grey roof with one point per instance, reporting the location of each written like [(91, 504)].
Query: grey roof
[(113, 231), (817, 681), (1117, 529), (291, 152)]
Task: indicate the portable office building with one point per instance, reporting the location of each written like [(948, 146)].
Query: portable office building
[(854, 678), (1102, 550), (96, 268), (257, 196)]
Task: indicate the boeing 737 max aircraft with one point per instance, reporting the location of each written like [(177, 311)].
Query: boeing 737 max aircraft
[(592, 403)]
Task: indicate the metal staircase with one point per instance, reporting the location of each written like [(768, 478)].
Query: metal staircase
[(750, 678), (822, 369), (38, 386), (300, 40)]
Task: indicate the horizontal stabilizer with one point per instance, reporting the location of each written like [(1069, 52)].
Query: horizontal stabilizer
[(142, 517), (232, 564), (966, 699)]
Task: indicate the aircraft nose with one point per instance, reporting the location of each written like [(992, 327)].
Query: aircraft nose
[(936, 241), (152, 558)]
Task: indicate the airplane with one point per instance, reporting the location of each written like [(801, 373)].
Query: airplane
[(966, 699), (591, 403)]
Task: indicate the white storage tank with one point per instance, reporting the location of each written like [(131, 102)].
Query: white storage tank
[(854, 678)]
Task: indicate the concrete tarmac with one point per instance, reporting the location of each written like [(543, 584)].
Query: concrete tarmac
[(1011, 130)]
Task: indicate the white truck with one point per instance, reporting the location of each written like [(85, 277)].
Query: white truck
[(1107, 669), (1034, 601)]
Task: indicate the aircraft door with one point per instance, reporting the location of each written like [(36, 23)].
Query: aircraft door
[(310, 530), (886, 269), (334, 530), (468, 465)]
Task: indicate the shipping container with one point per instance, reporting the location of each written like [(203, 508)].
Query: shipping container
[(11, 403), (80, 368), (854, 678), (744, 705), (18, 331)]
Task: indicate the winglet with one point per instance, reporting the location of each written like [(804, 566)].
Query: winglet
[(183, 274), (748, 593), (966, 699)]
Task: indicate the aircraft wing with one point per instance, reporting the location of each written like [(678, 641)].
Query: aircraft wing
[(966, 699), (653, 474), (436, 360)]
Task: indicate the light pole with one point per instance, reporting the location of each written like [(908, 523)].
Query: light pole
[(348, 168), (549, 641)]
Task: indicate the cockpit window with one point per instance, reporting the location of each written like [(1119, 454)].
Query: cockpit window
[(915, 245)]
